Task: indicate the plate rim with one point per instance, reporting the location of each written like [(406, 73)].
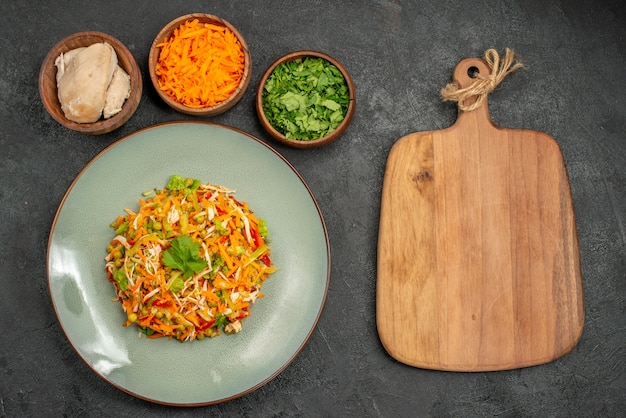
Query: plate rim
[(103, 152)]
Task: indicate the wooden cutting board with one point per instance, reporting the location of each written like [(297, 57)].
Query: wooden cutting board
[(478, 258)]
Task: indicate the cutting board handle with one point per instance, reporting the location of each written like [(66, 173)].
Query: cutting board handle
[(466, 73), (474, 78)]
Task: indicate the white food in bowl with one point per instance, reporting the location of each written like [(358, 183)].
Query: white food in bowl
[(90, 83)]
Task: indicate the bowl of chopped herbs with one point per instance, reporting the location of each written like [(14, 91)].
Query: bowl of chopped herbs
[(305, 99)]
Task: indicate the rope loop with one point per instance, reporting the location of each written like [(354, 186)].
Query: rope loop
[(483, 84)]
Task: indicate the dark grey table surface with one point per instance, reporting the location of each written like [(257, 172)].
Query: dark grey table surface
[(400, 54)]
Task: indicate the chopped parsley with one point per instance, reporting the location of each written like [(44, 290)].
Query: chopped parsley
[(306, 98)]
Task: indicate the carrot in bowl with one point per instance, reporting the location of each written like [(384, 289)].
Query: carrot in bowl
[(200, 64)]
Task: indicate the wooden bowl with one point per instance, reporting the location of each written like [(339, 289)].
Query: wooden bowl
[(220, 107), (315, 143), (48, 83)]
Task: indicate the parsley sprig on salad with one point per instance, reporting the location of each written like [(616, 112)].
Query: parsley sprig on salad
[(306, 98), (190, 263), (184, 256)]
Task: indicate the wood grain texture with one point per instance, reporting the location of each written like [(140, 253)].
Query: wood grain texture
[(478, 258)]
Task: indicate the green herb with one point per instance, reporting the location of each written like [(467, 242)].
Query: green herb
[(188, 185), (176, 182), (121, 279), (263, 231), (221, 320), (146, 330), (305, 99), (183, 255)]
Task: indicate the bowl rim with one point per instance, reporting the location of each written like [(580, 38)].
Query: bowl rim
[(325, 140), (101, 126), (220, 107)]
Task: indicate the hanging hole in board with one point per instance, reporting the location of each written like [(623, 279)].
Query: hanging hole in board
[(473, 71)]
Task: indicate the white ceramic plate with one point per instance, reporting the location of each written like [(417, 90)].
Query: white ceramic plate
[(198, 372)]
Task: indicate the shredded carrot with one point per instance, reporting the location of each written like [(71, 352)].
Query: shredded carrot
[(159, 299), (200, 64)]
